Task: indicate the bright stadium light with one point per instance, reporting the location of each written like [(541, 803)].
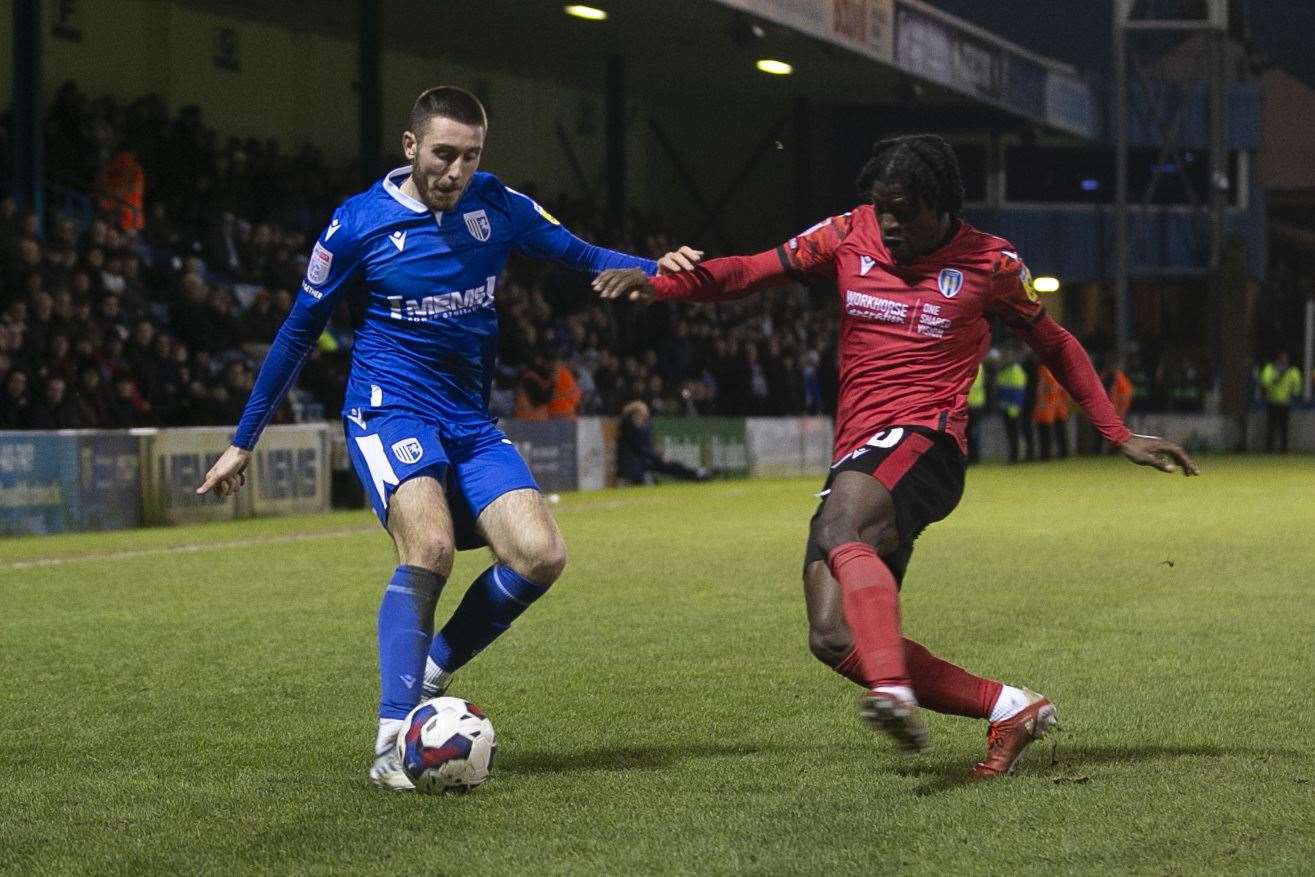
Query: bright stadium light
[(588, 13), (776, 68), (1045, 284)]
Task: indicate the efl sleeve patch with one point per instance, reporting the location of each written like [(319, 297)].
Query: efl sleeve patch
[(545, 214), (1025, 278), (321, 260)]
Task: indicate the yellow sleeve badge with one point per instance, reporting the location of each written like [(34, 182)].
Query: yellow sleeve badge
[(1025, 278), (545, 214)]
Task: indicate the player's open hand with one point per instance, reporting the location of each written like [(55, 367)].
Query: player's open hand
[(227, 475), (1151, 450), (683, 259), (632, 283)]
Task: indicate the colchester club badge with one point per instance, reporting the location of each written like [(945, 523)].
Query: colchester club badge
[(949, 281)]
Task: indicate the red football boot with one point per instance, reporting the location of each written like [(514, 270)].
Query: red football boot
[(896, 716), (1007, 738)]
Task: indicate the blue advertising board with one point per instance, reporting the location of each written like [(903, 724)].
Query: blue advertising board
[(548, 446), (109, 483), (55, 482), (37, 480)]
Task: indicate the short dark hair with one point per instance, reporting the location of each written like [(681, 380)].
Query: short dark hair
[(449, 102), (923, 165)]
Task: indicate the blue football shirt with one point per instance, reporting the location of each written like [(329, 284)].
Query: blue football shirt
[(427, 336)]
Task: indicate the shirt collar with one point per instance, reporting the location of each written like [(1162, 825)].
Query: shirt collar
[(398, 195)]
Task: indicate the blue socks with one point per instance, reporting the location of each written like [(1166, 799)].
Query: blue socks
[(494, 600), (406, 623)]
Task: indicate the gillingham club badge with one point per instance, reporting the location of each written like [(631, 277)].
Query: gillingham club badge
[(477, 223)]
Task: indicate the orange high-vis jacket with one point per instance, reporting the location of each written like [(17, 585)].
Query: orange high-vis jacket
[(565, 394), (1051, 400), (526, 407), (121, 183), (1120, 393)]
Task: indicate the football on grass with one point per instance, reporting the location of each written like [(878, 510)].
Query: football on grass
[(446, 745)]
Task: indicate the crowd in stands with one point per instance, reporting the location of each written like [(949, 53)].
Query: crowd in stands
[(150, 294), (155, 303)]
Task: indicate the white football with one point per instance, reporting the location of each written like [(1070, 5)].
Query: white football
[(446, 745)]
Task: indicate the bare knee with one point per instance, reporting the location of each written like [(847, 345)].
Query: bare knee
[(432, 552), (541, 557), (830, 643), (828, 635), (421, 526)]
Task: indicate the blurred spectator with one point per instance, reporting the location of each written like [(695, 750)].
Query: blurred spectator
[(92, 401), (126, 408), (976, 413), (1050, 414), (16, 407), (636, 455), (1011, 394), (1280, 382), (565, 399), (57, 410), (534, 390), (1120, 390), (120, 186)]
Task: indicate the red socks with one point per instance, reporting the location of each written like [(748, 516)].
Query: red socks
[(882, 656), (938, 685), (948, 688), (870, 600)]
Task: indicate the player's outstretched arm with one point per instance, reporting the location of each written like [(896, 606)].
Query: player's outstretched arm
[(1064, 356), (1162, 454), (228, 473), (723, 279), (683, 259), (633, 283), (811, 253)]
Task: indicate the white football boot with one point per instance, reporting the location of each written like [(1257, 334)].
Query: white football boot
[(386, 772)]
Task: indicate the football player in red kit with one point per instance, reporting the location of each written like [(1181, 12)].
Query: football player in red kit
[(918, 287)]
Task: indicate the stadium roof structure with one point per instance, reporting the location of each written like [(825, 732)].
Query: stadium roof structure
[(863, 52)]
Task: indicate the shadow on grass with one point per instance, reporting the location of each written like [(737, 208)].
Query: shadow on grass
[(1074, 764), (627, 758)]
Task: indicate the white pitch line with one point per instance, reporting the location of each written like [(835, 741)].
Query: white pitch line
[(195, 547), (189, 548)]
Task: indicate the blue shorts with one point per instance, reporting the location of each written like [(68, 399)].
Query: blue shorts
[(475, 466)]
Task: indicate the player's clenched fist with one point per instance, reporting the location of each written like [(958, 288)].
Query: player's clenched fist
[(623, 282), (226, 476)]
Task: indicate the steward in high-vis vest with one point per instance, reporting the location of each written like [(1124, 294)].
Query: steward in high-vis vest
[(1279, 382), (976, 411), (1010, 393)]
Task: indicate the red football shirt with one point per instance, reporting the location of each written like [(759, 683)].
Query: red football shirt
[(911, 336)]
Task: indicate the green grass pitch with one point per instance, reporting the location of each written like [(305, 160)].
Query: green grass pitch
[(201, 699)]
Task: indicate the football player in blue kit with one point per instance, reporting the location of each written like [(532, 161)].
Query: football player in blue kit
[(423, 248)]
